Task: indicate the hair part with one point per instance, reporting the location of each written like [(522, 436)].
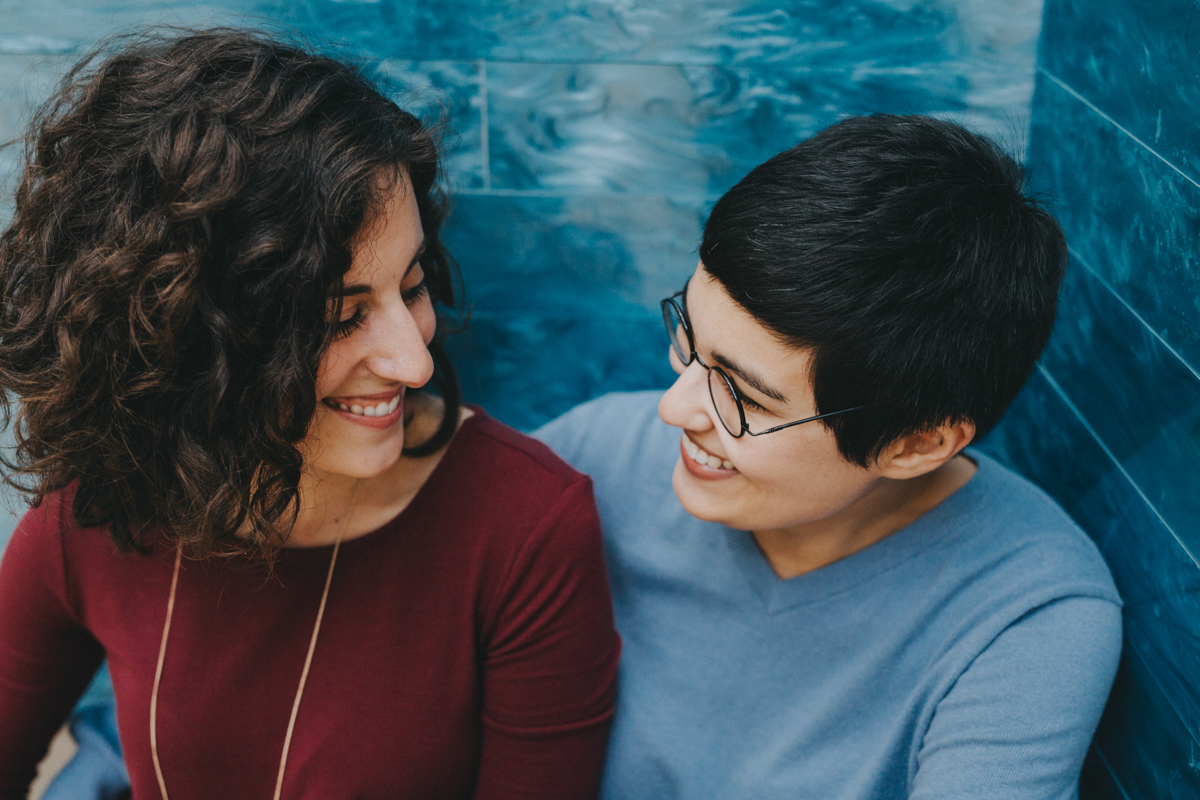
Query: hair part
[(905, 253), (188, 206)]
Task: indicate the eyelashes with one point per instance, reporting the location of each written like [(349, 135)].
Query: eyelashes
[(345, 327), (414, 294), (749, 404)]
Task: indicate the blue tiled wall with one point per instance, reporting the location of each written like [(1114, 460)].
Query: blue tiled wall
[(1111, 423), (590, 138)]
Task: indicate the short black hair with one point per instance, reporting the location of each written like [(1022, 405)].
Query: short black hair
[(906, 253)]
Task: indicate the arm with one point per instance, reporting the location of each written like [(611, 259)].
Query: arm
[(46, 657), (1017, 723), (550, 666)]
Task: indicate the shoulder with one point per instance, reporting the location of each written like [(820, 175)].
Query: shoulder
[(525, 459), (49, 527), (1000, 552), (500, 480), (1021, 525), (47, 547)]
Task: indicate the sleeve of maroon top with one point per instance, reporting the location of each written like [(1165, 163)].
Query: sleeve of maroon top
[(46, 656), (551, 661)]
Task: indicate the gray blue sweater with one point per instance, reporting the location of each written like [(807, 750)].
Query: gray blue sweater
[(967, 655)]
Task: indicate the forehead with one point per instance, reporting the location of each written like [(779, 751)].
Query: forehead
[(390, 237), (722, 327)]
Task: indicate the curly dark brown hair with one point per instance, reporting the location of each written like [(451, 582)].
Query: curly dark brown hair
[(188, 206)]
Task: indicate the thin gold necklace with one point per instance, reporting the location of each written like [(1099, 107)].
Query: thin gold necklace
[(312, 644)]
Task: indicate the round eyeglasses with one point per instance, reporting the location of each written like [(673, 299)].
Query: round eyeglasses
[(726, 399)]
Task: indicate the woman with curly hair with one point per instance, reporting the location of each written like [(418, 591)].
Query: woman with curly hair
[(218, 288)]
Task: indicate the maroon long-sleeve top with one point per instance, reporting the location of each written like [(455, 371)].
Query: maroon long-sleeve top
[(467, 648)]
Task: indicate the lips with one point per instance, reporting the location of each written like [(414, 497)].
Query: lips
[(366, 408), (702, 457), (691, 454), (373, 410)]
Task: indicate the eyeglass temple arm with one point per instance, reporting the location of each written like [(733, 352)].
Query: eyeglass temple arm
[(802, 421)]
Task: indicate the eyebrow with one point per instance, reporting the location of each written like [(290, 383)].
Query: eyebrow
[(362, 288), (748, 376)]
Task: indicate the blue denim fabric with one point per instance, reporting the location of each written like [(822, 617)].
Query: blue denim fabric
[(97, 770)]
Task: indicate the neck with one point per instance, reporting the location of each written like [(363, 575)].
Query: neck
[(327, 504), (887, 506), (335, 506)]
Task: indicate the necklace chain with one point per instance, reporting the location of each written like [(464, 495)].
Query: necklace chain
[(162, 654)]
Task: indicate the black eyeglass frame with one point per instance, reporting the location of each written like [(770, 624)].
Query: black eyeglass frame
[(681, 309)]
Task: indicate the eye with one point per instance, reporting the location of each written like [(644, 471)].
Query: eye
[(348, 326), (412, 295), (749, 404)]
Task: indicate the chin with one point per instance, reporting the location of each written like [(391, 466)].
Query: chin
[(696, 500), (359, 462)]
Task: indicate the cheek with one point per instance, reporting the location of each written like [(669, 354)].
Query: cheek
[(426, 320), (789, 469), (332, 369)]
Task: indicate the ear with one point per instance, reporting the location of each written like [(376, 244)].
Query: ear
[(925, 451)]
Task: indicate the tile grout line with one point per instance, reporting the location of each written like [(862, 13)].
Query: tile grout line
[(1108, 767), (1115, 124), (1091, 271), (1112, 457), (483, 127)]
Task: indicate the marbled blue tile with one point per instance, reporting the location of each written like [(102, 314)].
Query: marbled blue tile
[(25, 80), (448, 94), (526, 370), (585, 257), (1098, 781), (1140, 399), (1137, 61), (63, 26), (1142, 741), (678, 131), (869, 33), (1129, 216), (1044, 438)]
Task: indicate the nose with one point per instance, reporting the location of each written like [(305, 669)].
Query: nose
[(686, 404), (398, 349)]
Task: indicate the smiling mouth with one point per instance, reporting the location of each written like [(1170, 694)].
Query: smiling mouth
[(362, 407), (696, 453)]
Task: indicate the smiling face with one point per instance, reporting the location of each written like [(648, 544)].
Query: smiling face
[(759, 483), (386, 324)]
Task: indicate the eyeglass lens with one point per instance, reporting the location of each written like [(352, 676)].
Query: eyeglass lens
[(723, 395), (676, 332), (725, 402)]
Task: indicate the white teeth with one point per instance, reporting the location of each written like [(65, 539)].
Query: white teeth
[(697, 454), (380, 410)]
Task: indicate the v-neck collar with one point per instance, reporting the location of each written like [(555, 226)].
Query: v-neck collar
[(780, 594)]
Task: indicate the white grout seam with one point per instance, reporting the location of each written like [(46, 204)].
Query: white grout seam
[(1115, 124)]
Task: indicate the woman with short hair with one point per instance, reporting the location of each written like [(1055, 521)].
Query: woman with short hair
[(822, 592)]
